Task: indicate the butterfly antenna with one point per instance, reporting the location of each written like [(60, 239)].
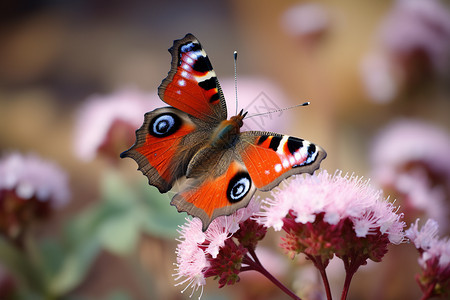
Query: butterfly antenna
[(235, 79), (278, 110)]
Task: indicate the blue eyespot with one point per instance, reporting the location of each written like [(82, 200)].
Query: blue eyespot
[(164, 125), (239, 187)]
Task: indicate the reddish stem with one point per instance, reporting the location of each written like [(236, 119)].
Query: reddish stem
[(429, 291), (255, 264), (317, 260), (351, 265), (348, 279)]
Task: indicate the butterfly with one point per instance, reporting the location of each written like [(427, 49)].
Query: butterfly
[(193, 138)]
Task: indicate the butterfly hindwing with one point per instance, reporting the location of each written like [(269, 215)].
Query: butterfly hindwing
[(259, 161), (271, 157), (219, 187), (165, 144), (191, 84)]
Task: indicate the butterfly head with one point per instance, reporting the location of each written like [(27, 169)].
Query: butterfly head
[(238, 119)]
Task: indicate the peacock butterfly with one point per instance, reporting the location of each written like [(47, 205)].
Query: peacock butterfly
[(193, 138)]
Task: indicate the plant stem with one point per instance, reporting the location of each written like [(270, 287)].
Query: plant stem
[(351, 265), (317, 260), (348, 279), (429, 292), (255, 264)]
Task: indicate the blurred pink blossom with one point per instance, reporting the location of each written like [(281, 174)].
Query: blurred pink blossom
[(106, 123), (380, 76), (306, 20), (418, 26), (412, 41), (30, 176), (411, 158), (434, 259), (30, 188)]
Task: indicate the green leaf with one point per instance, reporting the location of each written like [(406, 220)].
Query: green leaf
[(20, 267), (77, 262), (158, 217), (162, 219), (120, 235)]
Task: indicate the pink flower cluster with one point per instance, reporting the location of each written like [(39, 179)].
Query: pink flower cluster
[(30, 188), (29, 176), (214, 253), (434, 258), (322, 216), (308, 20), (335, 198), (106, 123), (410, 160), (412, 42)]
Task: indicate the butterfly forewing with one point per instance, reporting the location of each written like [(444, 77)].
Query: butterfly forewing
[(191, 84), (165, 144)]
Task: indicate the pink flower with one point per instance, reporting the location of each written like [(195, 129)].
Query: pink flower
[(214, 252), (418, 25), (412, 41), (29, 189), (337, 198), (410, 158), (380, 76), (306, 20), (28, 176), (191, 259), (434, 259), (106, 123), (327, 215), (424, 238)]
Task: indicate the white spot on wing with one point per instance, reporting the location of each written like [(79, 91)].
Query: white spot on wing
[(304, 149), (181, 82), (196, 54), (278, 168), (291, 160)]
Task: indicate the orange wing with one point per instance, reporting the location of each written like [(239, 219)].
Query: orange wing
[(270, 157), (192, 85), (165, 144), (221, 191)]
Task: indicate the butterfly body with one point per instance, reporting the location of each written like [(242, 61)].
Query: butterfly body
[(225, 134), (193, 138)]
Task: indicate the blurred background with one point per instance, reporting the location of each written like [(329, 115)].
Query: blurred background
[(76, 78)]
